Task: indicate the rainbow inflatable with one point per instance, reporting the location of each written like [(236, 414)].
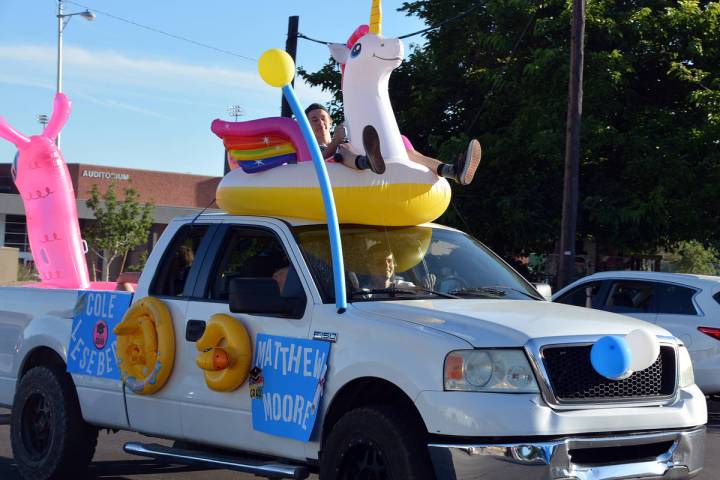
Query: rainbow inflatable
[(260, 145)]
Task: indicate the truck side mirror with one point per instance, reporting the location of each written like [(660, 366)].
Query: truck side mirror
[(258, 296), (545, 290)]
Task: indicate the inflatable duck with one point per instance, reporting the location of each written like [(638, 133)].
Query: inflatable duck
[(225, 353), (146, 346)]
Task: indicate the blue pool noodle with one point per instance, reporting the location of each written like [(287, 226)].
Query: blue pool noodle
[(327, 195)]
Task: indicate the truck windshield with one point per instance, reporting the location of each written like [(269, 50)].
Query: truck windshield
[(385, 263)]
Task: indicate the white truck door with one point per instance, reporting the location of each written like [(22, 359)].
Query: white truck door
[(256, 251), (174, 278)]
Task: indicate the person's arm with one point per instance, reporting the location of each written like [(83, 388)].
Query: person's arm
[(337, 138)]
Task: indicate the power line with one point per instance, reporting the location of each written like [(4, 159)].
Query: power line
[(444, 22), (300, 35), (408, 35), (162, 32)]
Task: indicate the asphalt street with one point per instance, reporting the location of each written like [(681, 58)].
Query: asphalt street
[(110, 462)]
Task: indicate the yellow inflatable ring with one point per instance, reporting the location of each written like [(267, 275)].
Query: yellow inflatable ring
[(146, 346), (406, 194), (225, 353)]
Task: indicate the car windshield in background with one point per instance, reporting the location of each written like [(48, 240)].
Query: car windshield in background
[(383, 263)]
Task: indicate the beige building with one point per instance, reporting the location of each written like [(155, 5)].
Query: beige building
[(172, 194)]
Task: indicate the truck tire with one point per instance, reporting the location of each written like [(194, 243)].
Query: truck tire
[(376, 443), (50, 439)]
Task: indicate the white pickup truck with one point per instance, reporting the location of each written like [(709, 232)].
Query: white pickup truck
[(445, 365)]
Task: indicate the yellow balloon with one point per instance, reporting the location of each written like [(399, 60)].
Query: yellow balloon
[(276, 67)]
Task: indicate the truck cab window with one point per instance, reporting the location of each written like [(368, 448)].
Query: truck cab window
[(252, 253), (177, 263), (401, 263)]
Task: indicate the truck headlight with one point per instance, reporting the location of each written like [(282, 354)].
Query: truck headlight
[(480, 370), (687, 377)]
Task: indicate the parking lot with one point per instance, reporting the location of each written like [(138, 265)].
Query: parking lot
[(111, 462)]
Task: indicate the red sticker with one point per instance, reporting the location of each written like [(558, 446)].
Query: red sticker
[(100, 334)]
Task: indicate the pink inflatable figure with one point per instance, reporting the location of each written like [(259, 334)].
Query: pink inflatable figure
[(42, 178)]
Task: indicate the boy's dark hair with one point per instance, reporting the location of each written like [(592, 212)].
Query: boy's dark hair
[(315, 106)]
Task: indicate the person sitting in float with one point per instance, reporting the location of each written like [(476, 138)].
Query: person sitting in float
[(333, 146), (367, 60)]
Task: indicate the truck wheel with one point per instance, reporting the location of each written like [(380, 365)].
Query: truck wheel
[(50, 439), (375, 443)]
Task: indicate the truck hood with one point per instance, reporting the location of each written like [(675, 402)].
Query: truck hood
[(506, 323)]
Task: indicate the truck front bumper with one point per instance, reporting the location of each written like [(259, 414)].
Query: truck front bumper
[(655, 455)]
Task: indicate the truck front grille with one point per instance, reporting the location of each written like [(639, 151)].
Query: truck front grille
[(574, 380)]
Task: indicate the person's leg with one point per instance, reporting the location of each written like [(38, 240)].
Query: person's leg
[(467, 164), (431, 163), (371, 143), (462, 171), (372, 161)]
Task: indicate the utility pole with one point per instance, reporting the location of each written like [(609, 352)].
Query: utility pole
[(566, 272), (291, 48)]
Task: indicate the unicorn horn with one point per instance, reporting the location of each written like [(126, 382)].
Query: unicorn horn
[(376, 18)]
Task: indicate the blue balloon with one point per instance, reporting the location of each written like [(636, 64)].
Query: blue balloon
[(610, 357)]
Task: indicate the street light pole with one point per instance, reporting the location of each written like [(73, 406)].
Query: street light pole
[(63, 19), (235, 111), (58, 83), (42, 119)]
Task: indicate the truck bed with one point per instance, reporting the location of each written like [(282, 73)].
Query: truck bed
[(50, 309)]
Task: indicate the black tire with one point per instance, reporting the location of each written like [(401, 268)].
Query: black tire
[(376, 443), (50, 439)]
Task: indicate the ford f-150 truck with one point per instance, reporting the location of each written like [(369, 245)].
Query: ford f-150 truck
[(446, 364)]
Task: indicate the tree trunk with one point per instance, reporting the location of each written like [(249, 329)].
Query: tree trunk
[(107, 261), (124, 260)]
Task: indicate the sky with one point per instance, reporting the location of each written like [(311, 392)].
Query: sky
[(144, 100)]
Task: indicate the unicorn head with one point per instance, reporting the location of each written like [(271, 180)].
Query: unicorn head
[(368, 59)]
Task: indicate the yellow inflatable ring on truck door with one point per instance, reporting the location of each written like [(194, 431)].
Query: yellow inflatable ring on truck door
[(226, 353), (146, 346)]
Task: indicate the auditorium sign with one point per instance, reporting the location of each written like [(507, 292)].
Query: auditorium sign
[(106, 175)]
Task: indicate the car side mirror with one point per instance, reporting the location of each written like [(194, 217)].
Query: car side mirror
[(545, 290), (261, 296)]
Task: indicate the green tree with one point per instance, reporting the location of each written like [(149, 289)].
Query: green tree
[(650, 168), (119, 226), (693, 257)]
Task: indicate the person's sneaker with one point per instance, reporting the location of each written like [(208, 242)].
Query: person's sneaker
[(466, 165), (371, 143)]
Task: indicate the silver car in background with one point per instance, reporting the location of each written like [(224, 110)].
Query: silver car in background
[(686, 305)]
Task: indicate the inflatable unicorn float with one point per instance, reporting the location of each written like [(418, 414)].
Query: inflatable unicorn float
[(407, 193)]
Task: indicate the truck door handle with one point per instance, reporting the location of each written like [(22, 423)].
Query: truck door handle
[(194, 330)]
